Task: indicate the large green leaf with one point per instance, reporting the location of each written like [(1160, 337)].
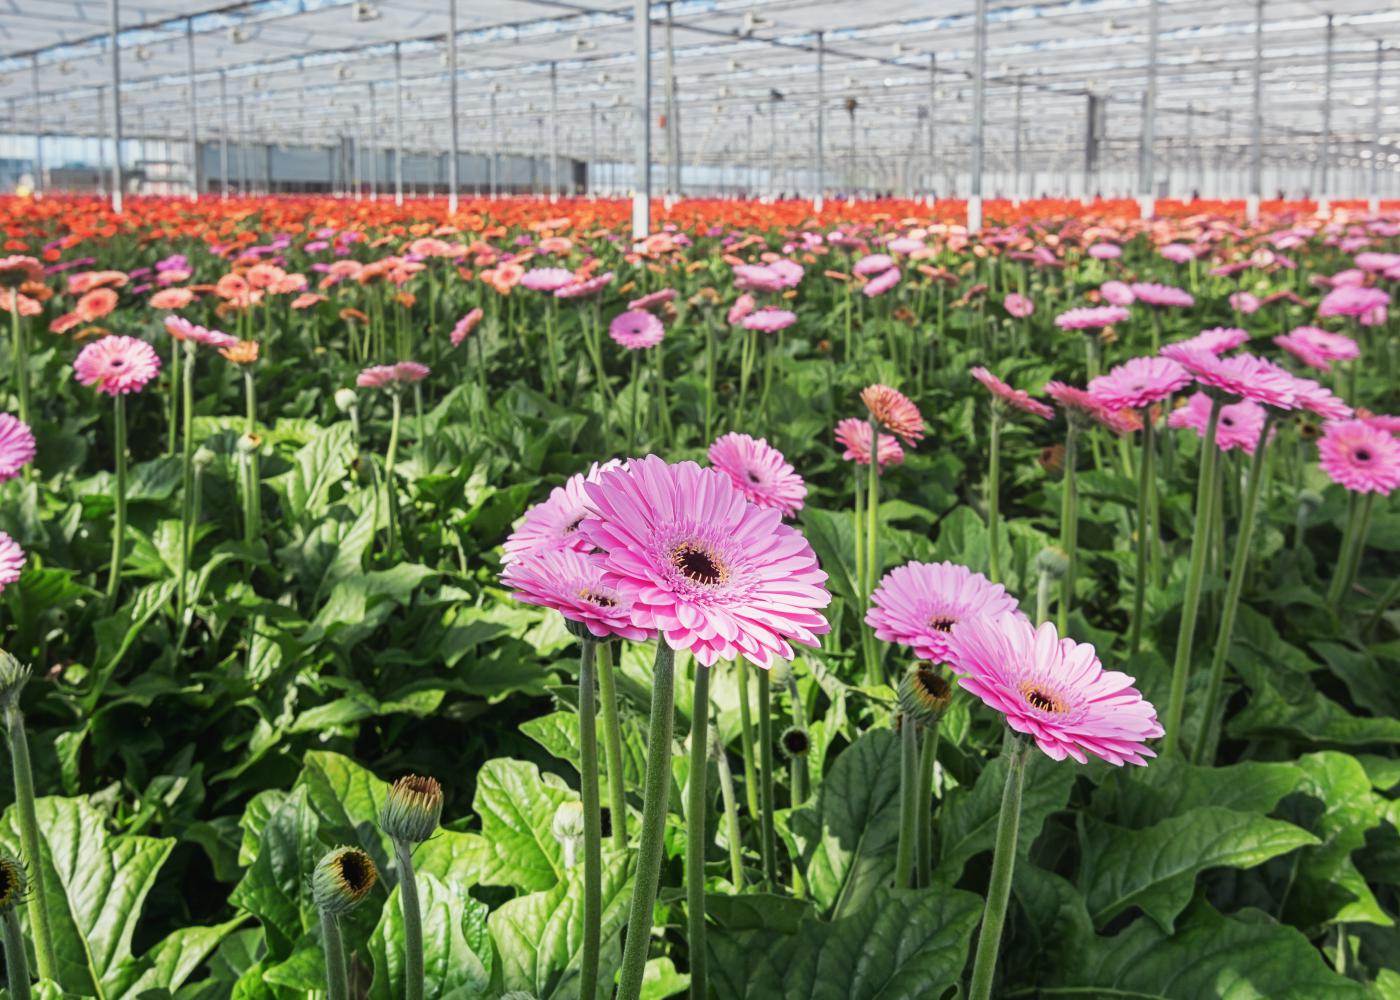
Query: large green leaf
[(276, 887), (450, 960), (1155, 868), (539, 937), (516, 846), (95, 885), (169, 964), (347, 799), (321, 463), (907, 945), (1141, 796)]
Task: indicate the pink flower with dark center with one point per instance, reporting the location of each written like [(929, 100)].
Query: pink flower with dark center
[(1053, 690), (760, 472), (1243, 376), (881, 283), (636, 329), (895, 411), (712, 572), (873, 264), (1079, 405), (117, 365), (465, 326), (392, 376), (757, 278), (1018, 305), (547, 279), (11, 561), (182, 329), (1369, 306), (742, 307), (854, 435), (919, 604), (1239, 424), (1018, 398), (553, 523), (1373, 261), (1360, 456), (1216, 340), (656, 298), (1166, 296), (1138, 383), (1245, 303), (1318, 348), (1389, 424), (571, 582), (1316, 398), (16, 446), (1117, 293), (769, 320), (1091, 317), (584, 289)]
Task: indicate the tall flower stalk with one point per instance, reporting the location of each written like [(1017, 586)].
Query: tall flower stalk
[(339, 883), (186, 395), (697, 805), (768, 842), (1069, 524), (410, 815), (994, 492), (1016, 749), (118, 498), (612, 747), (592, 818), (1146, 481), (732, 833)]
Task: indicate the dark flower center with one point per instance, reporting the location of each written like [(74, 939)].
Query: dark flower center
[(1228, 421), (355, 873), (796, 743), (117, 362), (697, 564), (9, 880), (569, 529), (753, 477), (942, 624), (598, 600), (1037, 698), (1363, 454)]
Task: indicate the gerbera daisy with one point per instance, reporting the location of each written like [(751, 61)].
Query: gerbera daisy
[(547, 279), (1080, 405), (465, 326), (1017, 305), (182, 329), (571, 582), (759, 471), (1139, 383), (1360, 456), (918, 604), (1318, 399), (1153, 294), (769, 320), (1178, 253), (1091, 317), (895, 411), (854, 434), (711, 571), (553, 523), (1018, 398), (1317, 347), (881, 283), (742, 307), (117, 365), (757, 278), (1368, 305), (16, 446), (584, 289), (11, 561), (1216, 340), (1238, 427), (873, 264), (1241, 376), (15, 270), (1054, 690), (1117, 293), (636, 329), (392, 376)]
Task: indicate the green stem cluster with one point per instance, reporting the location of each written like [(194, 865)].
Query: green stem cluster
[(984, 966), (46, 958)]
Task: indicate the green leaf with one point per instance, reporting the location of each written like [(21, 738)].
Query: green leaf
[(908, 945), (539, 937), (661, 980), (316, 468), (833, 539), (1141, 796), (170, 963), (275, 889), (95, 885), (1155, 868), (516, 846), (449, 961)]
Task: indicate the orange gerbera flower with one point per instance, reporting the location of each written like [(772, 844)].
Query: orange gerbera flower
[(95, 304)]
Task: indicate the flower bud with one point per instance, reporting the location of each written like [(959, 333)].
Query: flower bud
[(794, 742), (924, 695), (345, 400), (412, 809), (14, 882), (780, 673), (203, 457), (568, 829), (343, 879), (714, 746), (1052, 562), (13, 677)]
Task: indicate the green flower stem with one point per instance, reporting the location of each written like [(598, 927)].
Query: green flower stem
[(908, 802), (731, 818), (592, 822), (1146, 475), (1069, 526), (994, 493), (412, 923), (337, 979), (663, 411), (389, 458), (16, 961), (746, 743), (654, 805), (1239, 565), (44, 955), (175, 382), (612, 747), (928, 757), (186, 477), (984, 967), (1200, 541), (857, 521), (765, 767), (118, 500), (254, 500), (21, 358), (634, 405), (1042, 597), (872, 511), (697, 803), (1353, 544), (709, 380), (798, 769)]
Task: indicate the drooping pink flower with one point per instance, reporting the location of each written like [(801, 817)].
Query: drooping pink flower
[(1018, 398), (1091, 317), (182, 329), (768, 320), (16, 446), (1105, 251), (1165, 296), (547, 279), (1017, 305), (553, 523), (1080, 404), (572, 583), (1360, 456), (1318, 348), (757, 278), (873, 264), (1138, 383), (659, 297), (464, 326), (12, 560), (392, 376), (1316, 398), (1178, 253), (895, 411), (1369, 306), (117, 365), (1117, 293), (712, 572), (1216, 340), (1054, 690), (760, 472), (854, 435), (1239, 424), (919, 604), (881, 283), (636, 329), (1245, 303), (1239, 375), (742, 307), (585, 289)]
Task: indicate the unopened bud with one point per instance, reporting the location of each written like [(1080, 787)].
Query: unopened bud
[(924, 695), (249, 443), (568, 830), (13, 677), (345, 400), (794, 742), (14, 882), (343, 879), (203, 457), (780, 673), (1052, 562), (412, 809)]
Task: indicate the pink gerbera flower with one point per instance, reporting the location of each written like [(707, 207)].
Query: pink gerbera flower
[(918, 604), (1216, 340), (854, 434), (1018, 398), (182, 329), (873, 264), (1080, 404), (16, 446), (759, 471), (1178, 253), (392, 376), (1139, 383), (1369, 306), (1317, 398), (636, 329), (465, 326), (117, 365), (1167, 296), (742, 307), (1360, 456), (881, 283), (1017, 305), (1318, 348), (656, 298), (1054, 690), (547, 279), (1091, 318), (553, 523), (584, 289), (757, 278), (11, 561), (714, 573), (1117, 293), (1386, 422), (1239, 424), (895, 411), (1244, 376), (769, 320), (571, 582)]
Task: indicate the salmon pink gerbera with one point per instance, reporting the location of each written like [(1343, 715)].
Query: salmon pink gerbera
[(714, 573), (392, 376), (854, 435), (759, 471), (117, 365), (1018, 398), (16, 446), (895, 411), (1054, 690), (571, 582), (465, 326), (919, 604)]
